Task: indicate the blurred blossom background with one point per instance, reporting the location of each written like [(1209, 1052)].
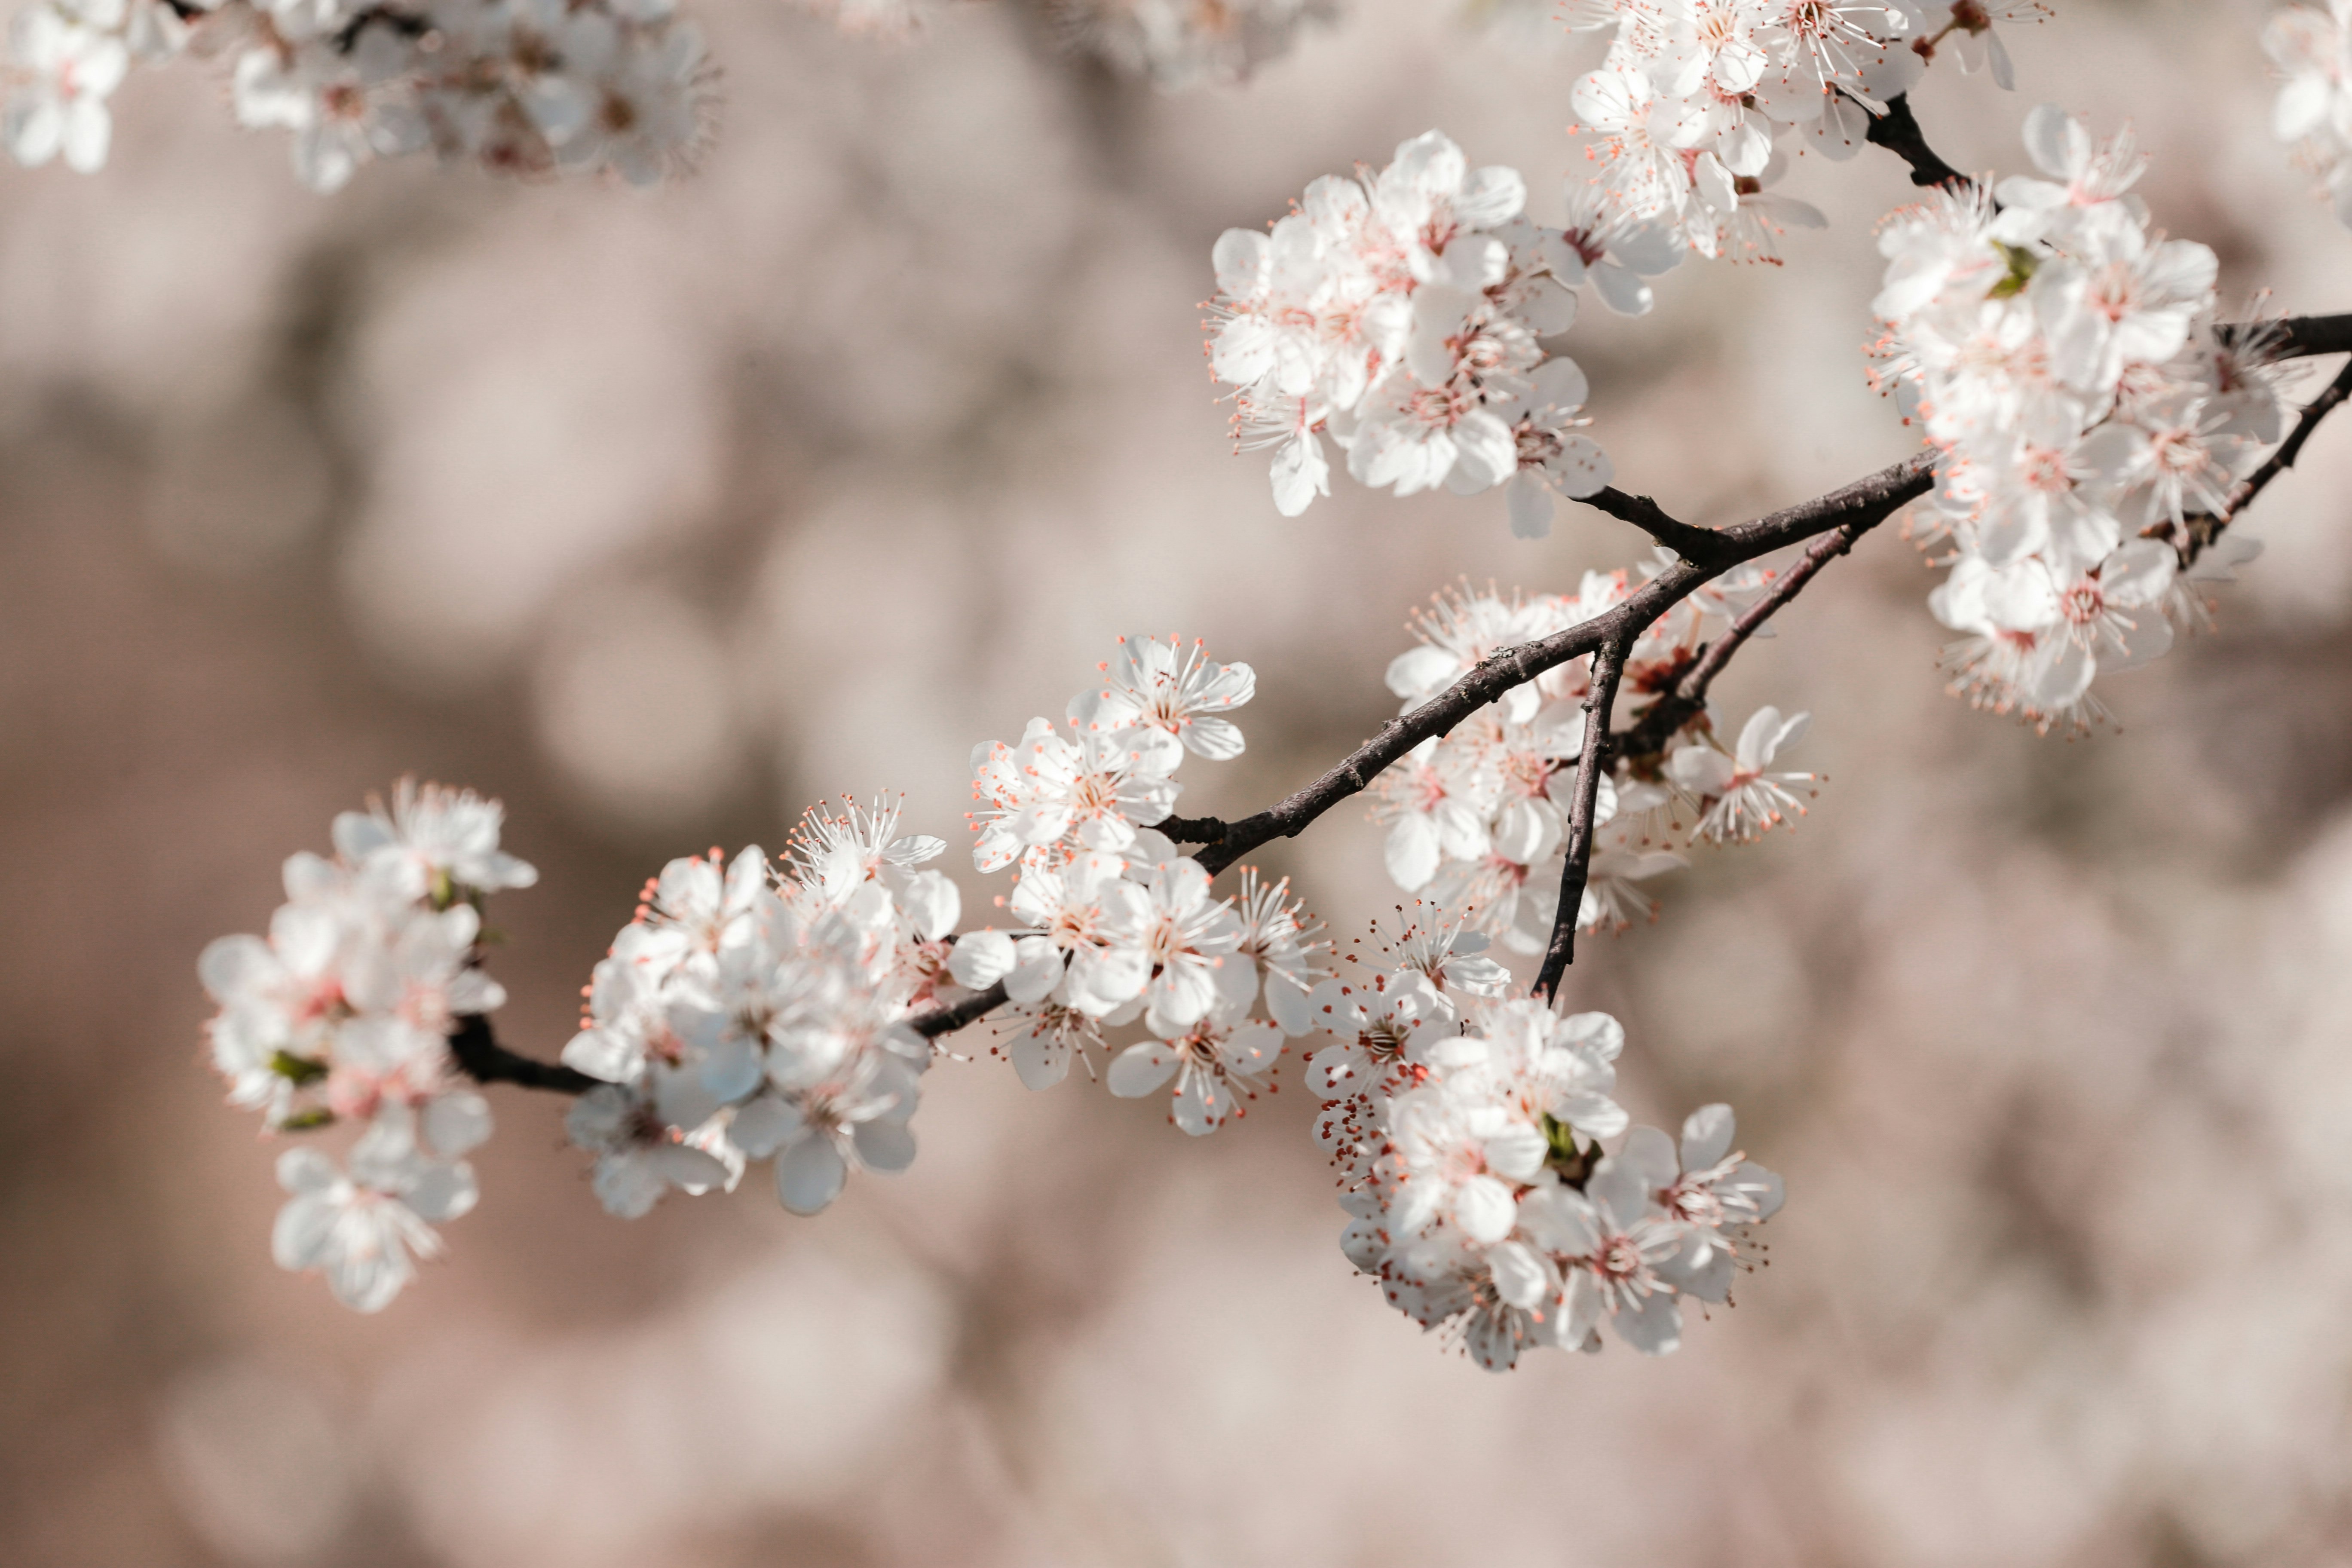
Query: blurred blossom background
[(663, 516)]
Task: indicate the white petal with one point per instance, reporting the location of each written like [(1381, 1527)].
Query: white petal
[(1141, 1068), (1484, 1209), (1707, 1136), (810, 1174), (980, 958)]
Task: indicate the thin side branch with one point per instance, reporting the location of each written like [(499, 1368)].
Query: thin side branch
[(483, 1059), (1600, 707), (1692, 544), (2203, 530), (1681, 704), (1867, 501)]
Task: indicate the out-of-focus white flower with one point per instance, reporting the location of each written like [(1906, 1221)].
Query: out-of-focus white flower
[(434, 842), (2312, 49), (73, 58), (343, 1015), (515, 86), (639, 1156), (365, 1230), (1185, 44)]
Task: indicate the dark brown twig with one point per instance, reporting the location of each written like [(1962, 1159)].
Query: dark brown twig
[(2296, 337), (1688, 697), (1867, 501), (970, 1010), (484, 1060), (1899, 131), (1599, 707), (2204, 529), (1702, 546)]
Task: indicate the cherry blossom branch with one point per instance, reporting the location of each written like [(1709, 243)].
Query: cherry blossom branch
[(1599, 707), (1835, 522), (482, 1058), (1899, 131)]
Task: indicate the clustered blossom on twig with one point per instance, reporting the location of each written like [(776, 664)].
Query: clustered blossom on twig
[(1397, 313), (1465, 1125), (1115, 925), (523, 87), (2063, 362), (754, 1011), (342, 1015)]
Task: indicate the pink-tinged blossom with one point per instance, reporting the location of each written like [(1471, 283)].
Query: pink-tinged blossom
[(1165, 698), (1211, 1067), (1739, 796), (1091, 787)]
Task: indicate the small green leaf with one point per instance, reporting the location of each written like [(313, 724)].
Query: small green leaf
[(295, 1069), (2022, 263)]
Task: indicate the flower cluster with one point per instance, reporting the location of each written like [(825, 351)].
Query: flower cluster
[(1184, 44), (1466, 1128), (1115, 925), (1479, 816), (526, 87), (2313, 51), (342, 1015), (1398, 312), (1689, 113), (2062, 359), (754, 1010)]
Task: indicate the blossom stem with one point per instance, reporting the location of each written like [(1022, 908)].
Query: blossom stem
[(970, 1010), (1832, 522), (2300, 337), (1899, 131), (1599, 706), (482, 1058)]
